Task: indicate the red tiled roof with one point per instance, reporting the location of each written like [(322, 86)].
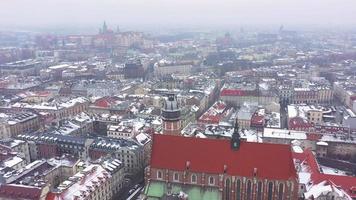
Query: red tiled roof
[(298, 122), (353, 98), (347, 183), (220, 105), (53, 196), (257, 119), (232, 92), (210, 156), (104, 102), (209, 119), (314, 136), (214, 114), (19, 192)]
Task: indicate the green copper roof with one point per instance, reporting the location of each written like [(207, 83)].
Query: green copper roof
[(155, 189), (176, 189), (211, 194), (196, 193)]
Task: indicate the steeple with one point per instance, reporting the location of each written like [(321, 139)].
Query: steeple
[(105, 28), (235, 138)]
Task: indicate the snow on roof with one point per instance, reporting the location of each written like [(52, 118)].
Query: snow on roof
[(13, 161), (34, 163), (142, 138), (137, 125), (324, 188), (301, 110), (332, 171), (297, 149), (84, 181), (157, 122), (304, 177), (3, 115), (321, 143), (336, 138), (200, 135), (74, 101), (112, 164), (59, 66), (82, 117), (281, 133), (302, 89)]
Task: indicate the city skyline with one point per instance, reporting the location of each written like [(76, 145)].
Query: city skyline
[(65, 14), (178, 100)]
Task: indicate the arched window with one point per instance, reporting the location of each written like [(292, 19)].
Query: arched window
[(227, 189), (159, 175), (259, 191), (249, 190), (280, 191), (270, 191), (238, 189), (211, 180), (176, 177), (194, 178)]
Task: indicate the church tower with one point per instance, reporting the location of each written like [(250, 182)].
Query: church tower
[(170, 114), (235, 138), (105, 28)]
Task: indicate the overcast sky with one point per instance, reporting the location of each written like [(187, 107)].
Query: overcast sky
[(42, 13)]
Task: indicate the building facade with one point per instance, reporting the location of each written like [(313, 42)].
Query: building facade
[(218, 169)]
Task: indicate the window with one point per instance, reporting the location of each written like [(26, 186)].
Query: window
[(211, 180), (249, 190), (238, 189), (227, 189), (159, 175), (270, 190), (280, 191), (176, 177), (194, 178), (259, 191)]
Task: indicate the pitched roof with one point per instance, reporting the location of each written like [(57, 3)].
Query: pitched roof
[(233, 92), (347, 183), (13, 191), (273, 161)]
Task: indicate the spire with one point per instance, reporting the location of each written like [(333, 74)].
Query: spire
[(236, 127), (105, 28), (235, 138)]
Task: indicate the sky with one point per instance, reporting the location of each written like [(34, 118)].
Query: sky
[(161, 13)]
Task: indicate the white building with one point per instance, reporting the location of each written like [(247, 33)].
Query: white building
[(93, 183), (164, 68)]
